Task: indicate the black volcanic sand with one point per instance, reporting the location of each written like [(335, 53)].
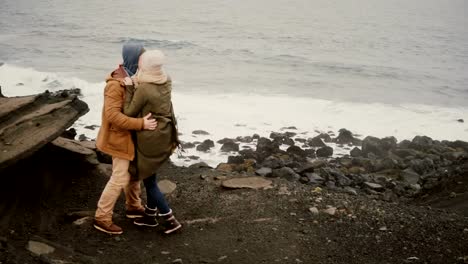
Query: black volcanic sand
[(223, 226)]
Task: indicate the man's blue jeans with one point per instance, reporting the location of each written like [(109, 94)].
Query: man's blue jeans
[(154, 196)]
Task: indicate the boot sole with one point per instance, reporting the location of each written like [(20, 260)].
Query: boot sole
[(167, 232), (142, 224), (107, 231), (133, 216)]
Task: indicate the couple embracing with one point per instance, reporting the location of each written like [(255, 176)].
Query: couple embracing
[(138, 130)]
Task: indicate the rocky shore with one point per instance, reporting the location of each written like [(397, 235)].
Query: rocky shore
[(385, 202)]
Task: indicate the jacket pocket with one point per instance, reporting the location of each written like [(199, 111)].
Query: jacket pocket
[(118, 140)]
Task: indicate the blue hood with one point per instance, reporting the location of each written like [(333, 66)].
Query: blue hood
[(131, 51)]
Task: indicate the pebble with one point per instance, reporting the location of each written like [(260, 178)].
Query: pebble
[(314, 210), (383, 228), (292, 214), (177, 260), (222, 258), (330, 211), (165, 252), (317, 190)]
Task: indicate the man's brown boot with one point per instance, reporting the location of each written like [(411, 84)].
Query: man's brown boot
[(109, 228)]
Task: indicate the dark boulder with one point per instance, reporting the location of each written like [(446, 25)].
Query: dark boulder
[(324, 152), (355, 152), (379, 147), (200, 132), (235, 160), (187, 145), (206, 145), (273, 162), (225, 140), (286, 173), (315, 142), (421, 143), (246, 139), (346, 137), (230, 146), (265, 172)]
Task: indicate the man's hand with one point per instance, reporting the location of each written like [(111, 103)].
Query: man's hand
[(149, 124), (128, 81)]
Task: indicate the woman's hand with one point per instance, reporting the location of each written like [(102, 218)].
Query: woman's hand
[(149, 123), (128, 81)]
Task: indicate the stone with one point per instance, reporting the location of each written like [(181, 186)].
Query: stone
[(286, 173), (167, 186), (200, 132), (72, 146), (325, 137), (225, 167), (199, 165), (264, 171), (315, 142), (346, 137), (410, 176), (314, 210), (324, 152), (177, 261), (350, 190), (273, 162), (458, 120), (355, 152), (235, 160), (91, 127), (265, 148), (225, 140), (296, 151), (246, 139), (314, 178), (373, 186), (230, 146), (330, 211), (246, 182), (206, 145), (39, 248), (192, 157), (187, 145)]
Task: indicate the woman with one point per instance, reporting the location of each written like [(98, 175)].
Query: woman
[(150, 92)]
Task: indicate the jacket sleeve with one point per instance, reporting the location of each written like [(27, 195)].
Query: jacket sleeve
[(113, 95), (135, 100)]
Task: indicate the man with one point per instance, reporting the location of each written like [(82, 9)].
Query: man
[(114, 138)]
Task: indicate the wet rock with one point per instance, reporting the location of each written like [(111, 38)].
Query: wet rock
[(458, 144), (379, 147), (230, 146), (167, 186), (283, 128), (187, 145), (265, 148), (264, 171), (286, 173), (458, 120), (355, 152), (405, 152), (246, 182), (316, 142), (296, 151), (82, 137), (235, 160), (255, 136), (192, 157), (246, 139), (324, 152), (301, 140), (453, 156), (421, 143), (283, 138), (346, 137), (70, 133), (200, 132), (421, 166), (200, 165), (248, 154), (205, 146), (225, 140), (310, 153), (325, 137), (87, 220), (410, 176), (91, 127)]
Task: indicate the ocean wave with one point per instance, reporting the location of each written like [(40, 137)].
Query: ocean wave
[(164, 44)]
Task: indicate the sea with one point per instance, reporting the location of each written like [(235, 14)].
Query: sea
[(375, 67)]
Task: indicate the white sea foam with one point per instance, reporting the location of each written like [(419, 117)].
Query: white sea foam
[(232, 115)]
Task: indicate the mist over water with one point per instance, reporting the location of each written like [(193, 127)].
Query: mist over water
[(378, 67)]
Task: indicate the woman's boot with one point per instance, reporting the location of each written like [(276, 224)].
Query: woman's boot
[(149, 219), (169, 223)]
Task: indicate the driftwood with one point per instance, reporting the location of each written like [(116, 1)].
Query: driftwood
[(27, 123)]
